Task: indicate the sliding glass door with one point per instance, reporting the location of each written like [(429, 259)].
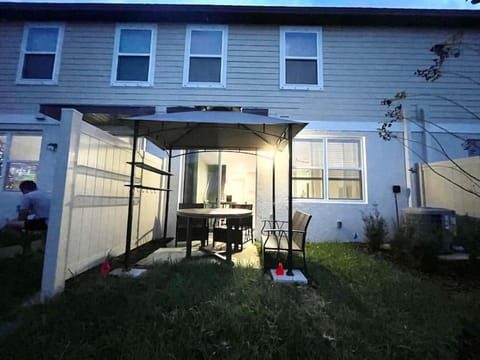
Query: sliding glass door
[(218, 178)]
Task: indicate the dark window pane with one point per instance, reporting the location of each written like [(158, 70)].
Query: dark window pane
[(206, 42), (345, 184), (205, 70), (38, 66), (42, 39), (133, 68), (301, 44), (301, 72), (135, 41)]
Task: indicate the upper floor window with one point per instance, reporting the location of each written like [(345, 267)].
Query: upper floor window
[(205, 56), (19, 157), (40, 54), (328, 168), (134, 55), (301, 65)]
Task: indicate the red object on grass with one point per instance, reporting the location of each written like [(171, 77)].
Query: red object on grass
[(105, 268), (279, 270)]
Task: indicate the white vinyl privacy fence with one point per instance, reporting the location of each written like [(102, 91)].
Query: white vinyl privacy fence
[(89, 207), (437, 191)]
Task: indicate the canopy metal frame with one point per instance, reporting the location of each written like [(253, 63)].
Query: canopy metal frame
[(212, 130)]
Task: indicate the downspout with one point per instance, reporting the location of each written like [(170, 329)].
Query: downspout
[(406, 138), (290, 232), (273, 187)]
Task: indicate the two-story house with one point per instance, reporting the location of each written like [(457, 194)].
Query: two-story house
[(328, 67)]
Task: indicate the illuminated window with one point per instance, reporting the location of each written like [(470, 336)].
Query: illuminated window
[(328, 168), (19, 158)]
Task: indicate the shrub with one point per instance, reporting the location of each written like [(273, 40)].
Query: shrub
[(417, 247), (375, 229), (402, 243), (426, 247)]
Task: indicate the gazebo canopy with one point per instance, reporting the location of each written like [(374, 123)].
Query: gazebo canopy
[(221, 130), (228, 130)]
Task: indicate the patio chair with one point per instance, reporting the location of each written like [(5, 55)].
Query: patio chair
[(199, 227), (246, 224), (275, 235), (241, 229)]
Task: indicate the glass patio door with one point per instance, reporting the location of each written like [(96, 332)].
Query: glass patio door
[(216, 178)]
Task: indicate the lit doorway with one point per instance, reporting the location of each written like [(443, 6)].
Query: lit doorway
[(216, 178)]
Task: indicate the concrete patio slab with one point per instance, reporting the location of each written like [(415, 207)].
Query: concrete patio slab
[(297, 278), (247, 257), (130, 273)]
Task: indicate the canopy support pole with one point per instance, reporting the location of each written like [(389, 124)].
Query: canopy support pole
[(273, 188), (131, 194), (290, 232), (167, 196)]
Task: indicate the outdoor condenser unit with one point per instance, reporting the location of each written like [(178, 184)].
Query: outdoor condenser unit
[(433, 219)]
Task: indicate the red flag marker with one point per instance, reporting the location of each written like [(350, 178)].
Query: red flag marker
[(279, 270), (105, 268)]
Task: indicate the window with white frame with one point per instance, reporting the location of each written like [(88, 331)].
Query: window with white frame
[(134, 55), (205, 56), (301, 63), (19, 158), (40, 54), (328, 168)]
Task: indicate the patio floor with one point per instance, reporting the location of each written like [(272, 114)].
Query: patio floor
[(247, 257)]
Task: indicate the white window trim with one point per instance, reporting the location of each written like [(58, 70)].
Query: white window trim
[(363, 169), (151, 64), (319, 58), (223, 66), (58, 54)]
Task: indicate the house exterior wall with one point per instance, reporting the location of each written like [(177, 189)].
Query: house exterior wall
[(361, 66), (48, 128)]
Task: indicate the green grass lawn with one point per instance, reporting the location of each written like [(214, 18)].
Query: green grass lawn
[(359, 307)]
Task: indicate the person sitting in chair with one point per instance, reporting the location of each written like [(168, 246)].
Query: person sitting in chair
[(34, 209)]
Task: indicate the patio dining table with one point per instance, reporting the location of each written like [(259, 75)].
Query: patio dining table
[(213, 213)]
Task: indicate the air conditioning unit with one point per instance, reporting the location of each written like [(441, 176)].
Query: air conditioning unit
[(433, 219)]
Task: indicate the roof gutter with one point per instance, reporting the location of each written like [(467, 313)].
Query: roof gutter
[(238, 14)]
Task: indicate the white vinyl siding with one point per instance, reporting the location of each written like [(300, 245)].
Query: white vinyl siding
[(205, 56), (329, 168), (40, 54), (301, 65), (134, 55), (359, 64)]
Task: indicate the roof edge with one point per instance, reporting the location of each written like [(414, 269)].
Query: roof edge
[(237, 14)]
